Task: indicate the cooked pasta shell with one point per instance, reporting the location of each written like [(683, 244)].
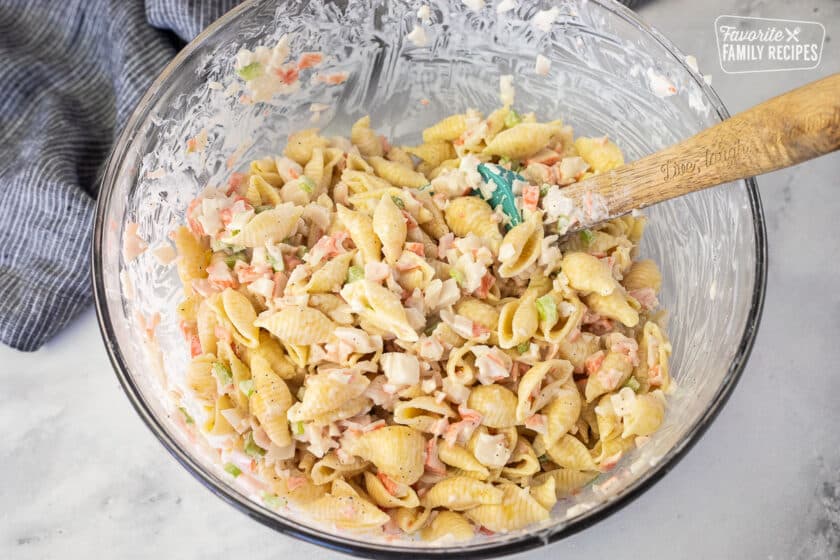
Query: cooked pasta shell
[(539, 386), (654, 353), (521, 246), (421, 413), (566, 481), (521, 141), (297, 324), (496, 122), (270, 401), (325, 392), (397, 174), (241, 314), (365, 138), (481, 313), (566, 323), (399, 155), (643, 274), (206, 322), (458, 457), (496, 405), (329, 468), (381, 497), (601, 153), (218, 424), (608, 422), (387, 311), (411, 520), (193, 257), (523, 462), (616, 306), (301, 144), (270, 226), (497, 454), (261, 192), (361, 231), (398, 451), (363, 182), (518, 321), (272, 352), (517, 510), (607, 453), (436, 227), (588, 274), (446, 130), (239, 372), (458, 493), (576, 352), (615, 370), (545, 492), (266, 169), (389, 226), (200, 379), (449, 526), (332, 274), (470, 214), (568, 452), (346, 509), (563, 412), (433, 153), (645, 416)]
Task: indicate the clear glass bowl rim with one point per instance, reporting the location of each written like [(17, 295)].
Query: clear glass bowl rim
[(527, 541)]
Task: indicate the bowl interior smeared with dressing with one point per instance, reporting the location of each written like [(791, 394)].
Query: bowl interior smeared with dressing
[(604, 78)]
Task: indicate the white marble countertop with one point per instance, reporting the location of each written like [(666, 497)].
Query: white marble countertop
[(82, 477)]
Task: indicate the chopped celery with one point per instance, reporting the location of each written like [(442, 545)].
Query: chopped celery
[(522, 348), (222, 372), (543, 190), (274, 501), (277, 264), (306, 184), (232, 469), (250, 72), (263, 208), (457, 275), (251, 447), (633, 383), (298, 428), (547, 308), (398, 201), (247, 387), (187, 417), (587, 237), (430, 328), (563, 223), (512, 119), (355, 273), (230, 260)]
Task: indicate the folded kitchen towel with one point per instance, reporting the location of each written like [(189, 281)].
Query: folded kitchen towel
[(71, 72)]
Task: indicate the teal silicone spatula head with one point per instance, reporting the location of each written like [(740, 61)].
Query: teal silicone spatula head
[(502, 196)]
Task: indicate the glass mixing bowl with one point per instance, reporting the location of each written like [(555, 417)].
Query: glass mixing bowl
[(606, 77)]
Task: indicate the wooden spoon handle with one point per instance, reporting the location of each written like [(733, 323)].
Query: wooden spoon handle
[(781, 132)]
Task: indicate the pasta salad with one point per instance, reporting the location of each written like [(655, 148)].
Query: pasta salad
[(380, 341)]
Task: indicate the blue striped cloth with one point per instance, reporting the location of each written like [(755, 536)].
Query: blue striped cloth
[(71, 72)]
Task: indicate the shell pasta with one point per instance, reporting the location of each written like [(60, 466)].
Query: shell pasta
[(377, 342)]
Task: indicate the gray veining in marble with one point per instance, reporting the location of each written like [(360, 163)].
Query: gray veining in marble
[(81, 476)]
